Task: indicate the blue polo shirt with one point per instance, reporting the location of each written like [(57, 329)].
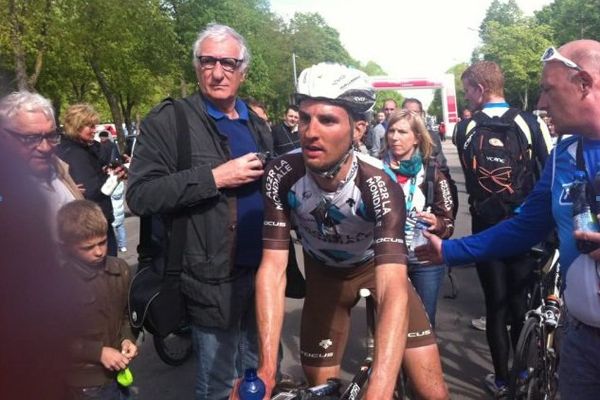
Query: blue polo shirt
[(250, 208)]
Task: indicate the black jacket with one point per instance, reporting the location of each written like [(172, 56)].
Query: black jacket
[(284, 139), (155, 186), (85, 168)]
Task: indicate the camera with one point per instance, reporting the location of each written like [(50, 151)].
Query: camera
[(265, 157)]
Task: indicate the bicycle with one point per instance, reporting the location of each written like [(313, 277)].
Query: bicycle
[(357, 385), (534, 372), (175, 348)]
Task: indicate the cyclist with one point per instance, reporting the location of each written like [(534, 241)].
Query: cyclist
[(350, 216)]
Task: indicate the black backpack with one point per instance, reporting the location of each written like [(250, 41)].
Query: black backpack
[(496, 159)]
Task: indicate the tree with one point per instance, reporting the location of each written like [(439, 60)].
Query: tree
[(517, 48), (571, 19), (504, 13), (126, 45), (26, 33), (515, 43)]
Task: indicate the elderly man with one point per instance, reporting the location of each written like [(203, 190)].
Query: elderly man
[(220, 196), (28, 130), (571, 96)]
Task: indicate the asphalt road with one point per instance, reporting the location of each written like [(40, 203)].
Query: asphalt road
[(464, 350)]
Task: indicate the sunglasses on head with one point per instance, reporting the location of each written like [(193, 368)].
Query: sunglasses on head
[(551, 54)]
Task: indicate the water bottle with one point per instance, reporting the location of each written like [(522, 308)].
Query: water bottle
[(418, 238), (251, 387), (583, 217), (596, 187), (551, 311)]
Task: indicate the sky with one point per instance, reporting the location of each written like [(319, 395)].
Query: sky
[(408, 39)]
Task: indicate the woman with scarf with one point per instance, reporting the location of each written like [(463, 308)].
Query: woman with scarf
[(407, 154)]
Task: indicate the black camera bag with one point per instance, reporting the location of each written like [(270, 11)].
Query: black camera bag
[(155, 299)]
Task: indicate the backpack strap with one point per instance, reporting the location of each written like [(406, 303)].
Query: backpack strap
[(429, 182), (579, 160), (177, 239)]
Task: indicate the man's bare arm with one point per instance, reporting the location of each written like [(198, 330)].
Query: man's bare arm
[(270, 303), (392, 327)]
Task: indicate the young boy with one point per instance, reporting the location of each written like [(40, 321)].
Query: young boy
[(105, 343)]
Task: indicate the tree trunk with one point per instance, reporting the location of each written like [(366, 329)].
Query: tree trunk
[(111, 98), (16, 37), (42, 45), (183, 87)]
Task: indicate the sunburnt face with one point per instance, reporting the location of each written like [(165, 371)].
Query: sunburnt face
[(325, 134), (559, 96)]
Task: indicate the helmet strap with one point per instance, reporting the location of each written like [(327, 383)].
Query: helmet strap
[(333, 171)]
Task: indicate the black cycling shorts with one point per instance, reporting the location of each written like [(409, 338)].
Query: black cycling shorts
[(330, 295)]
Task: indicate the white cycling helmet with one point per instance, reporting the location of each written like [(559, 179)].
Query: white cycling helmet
[(337, 84)]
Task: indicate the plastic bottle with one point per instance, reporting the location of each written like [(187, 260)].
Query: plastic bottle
[(251, 387), (583, 217), (551, 310), (418, 238), (596, 186)]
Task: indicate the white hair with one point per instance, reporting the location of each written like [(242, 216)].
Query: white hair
[(24, 100), (218, 32)]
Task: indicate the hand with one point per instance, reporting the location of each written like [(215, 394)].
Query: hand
[(432, 251), (112, 359), (269, 382), (120, 172), (593, 237), (430, 219), (129, 349), (81, 188), (236, 384), (238, 171)]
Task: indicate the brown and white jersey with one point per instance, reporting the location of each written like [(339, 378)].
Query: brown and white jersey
[(362, 220)]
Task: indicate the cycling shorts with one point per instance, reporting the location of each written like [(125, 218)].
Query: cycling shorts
[(330, 295)]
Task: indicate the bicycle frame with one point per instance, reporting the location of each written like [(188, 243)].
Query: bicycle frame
[(539, 330)]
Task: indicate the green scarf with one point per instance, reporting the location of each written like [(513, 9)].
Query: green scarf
[(408, 167)]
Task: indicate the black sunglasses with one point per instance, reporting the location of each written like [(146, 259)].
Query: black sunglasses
[(229, 64), (34, 140)]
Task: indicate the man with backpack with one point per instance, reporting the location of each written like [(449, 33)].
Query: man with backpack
[(502, 151)]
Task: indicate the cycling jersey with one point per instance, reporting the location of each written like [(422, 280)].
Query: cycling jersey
[(363, 219), (550, 197)]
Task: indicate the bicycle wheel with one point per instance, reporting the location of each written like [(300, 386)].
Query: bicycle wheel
[(527, 362), (175, 348)]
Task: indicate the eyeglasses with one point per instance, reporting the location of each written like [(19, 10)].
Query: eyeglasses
[(229, 64), (551, 54), (34, 140)]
